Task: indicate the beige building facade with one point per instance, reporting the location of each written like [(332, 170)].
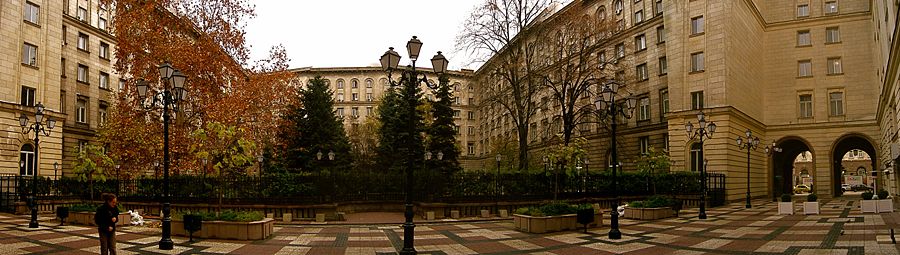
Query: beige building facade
[(887, 55), (59, 54)]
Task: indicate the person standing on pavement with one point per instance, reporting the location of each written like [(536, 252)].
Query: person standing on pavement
[(106, 218)]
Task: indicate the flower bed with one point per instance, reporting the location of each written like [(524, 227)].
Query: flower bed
[(83, 214), (655, 207), (228, 225), (552, 218)]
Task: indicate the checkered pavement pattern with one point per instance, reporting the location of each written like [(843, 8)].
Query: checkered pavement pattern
[(730, 229)]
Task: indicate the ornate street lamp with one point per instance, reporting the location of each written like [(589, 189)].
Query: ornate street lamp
[(170, 92), (40, 126), (751, 144), (118, 180), (55, 169), (260, 159), (771, 150), (410, 78), (609, 105), (706, 130)]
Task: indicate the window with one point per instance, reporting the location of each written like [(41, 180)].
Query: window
[(355, 96), (659, 8), (832, 35), (121, 84), (471, 101), (804, 68), (803, 38), (806, 110), (82, 145), (471, 130), (696, 100), (620, 25), (354, 111), (663, 66), (644, 142), (803, 10), (82, 74), (601, 12), (660, 34), (368, 111), (697, 62), (456, 100), (640, 43), (644, 110), (641, 71), (104, 50), (619, 6), (340, 112), (666, 141), (101, 114), (456, 114), (81, 14), (65, 35), (62, 67), (29, 54), (81, 110), (836, 103), (602, 57), (369, 83), (696, 157), (32, 12), (697, 25), (104, 80), (26, 155), (340, 84), (101, 23), (340, 96), (471, 147), (456, 129), (27, 96), (639, 17), (369, 97), (620, 50), (471, 115), (834, 66), (664, 101), (831, 7), (83, 41), (62, 101), (354, 84)]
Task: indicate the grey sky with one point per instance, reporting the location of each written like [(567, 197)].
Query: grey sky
[(342, 33)]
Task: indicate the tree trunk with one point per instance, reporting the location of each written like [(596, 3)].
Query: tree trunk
[(523, 147)]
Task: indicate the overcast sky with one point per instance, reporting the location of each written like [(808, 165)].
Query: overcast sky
[(344, 33)]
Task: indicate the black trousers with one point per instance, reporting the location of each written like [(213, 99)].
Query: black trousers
[(107, 243)]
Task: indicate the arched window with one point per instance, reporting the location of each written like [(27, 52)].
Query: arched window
[(369, 83), (354, 83), (619, 7), (455, 87), (26, 160), (601, 12), (696, 157), (340, 84), (861, 171)]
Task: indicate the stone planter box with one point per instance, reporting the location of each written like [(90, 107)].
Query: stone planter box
[(786, 208), (254, 230), (87, 218), (868, 206), (547, 224), (648, 213), (885, 205), (810, 207)]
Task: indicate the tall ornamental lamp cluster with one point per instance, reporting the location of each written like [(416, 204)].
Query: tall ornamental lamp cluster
[(41, 126), (608, 105), (706, 131)]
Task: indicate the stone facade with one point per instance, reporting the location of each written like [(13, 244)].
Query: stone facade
[(65, 35), (887, 55)]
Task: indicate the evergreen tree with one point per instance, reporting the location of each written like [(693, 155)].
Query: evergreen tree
[(310, 127), (401, 129), (441, 133)]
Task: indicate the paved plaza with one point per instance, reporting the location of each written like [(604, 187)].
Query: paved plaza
[(731, 229)]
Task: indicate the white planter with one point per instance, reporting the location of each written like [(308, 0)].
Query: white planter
[(786, 208), (885, 205), (810, 207), (868, 206)]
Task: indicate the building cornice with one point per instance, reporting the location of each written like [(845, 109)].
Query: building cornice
[(85, 26), (370, 69)]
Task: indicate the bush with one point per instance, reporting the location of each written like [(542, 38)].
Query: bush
[(867, 195), (882, 194), (226, 215), (785, 197), (812, 197), (554, 209), (652, 202), (83, 208)]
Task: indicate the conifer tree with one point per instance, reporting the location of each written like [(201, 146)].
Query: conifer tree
[(310, 127), (441, 133)]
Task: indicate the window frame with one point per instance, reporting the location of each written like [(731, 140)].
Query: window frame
[(834, 66), (800, 68), (31, 11), (86, 39), (29, 54), (660, 34), (81, 105), (642, 72), (639, 17), (802, 7), (104, 50), (805, 107), (697, 99), (83, 77), (644, 113), (104, 80), (27, 96), (825, 9), (640, 43), (663, 66), (832, 35), (697, 25), (698, 62), (800, 36), (836, 105)]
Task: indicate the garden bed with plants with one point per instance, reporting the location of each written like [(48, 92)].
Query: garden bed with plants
[(226, 225), (83, 214), (556, 217), (655, 207)]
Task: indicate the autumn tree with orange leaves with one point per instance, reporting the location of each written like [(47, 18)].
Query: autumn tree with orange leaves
[(205, 41)]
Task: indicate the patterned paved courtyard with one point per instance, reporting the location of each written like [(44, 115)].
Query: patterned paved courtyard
[(732, 229)]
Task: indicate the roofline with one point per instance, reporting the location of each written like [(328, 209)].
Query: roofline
[(462, 72)]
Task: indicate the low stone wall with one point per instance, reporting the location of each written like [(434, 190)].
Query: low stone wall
[(87, 219), (254, 230)]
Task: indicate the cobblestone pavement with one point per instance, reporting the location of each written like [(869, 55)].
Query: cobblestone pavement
[(731, 229)]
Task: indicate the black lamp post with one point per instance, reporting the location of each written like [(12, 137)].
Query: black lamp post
[(706, 130), (608, 105), (118, 180), (410, 78), (771, 150), (260, 159), (498, 158), (40, 126), (55, 169), (170, 92), (751, 144)]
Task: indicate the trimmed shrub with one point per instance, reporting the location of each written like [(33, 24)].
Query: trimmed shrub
[(812, 197), (882, 194), (785, 197), (867, 195)]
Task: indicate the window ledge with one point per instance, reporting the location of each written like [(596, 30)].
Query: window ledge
[(84, 50), (663, 74), (663, 42), (105, 89), (835, 74), (640, 51), (804, 77), (699, 71), (107, 59), (830, 43), (697, 34), (804, 46), (31, 66), (31, 23), (805, 118), (84, 82)]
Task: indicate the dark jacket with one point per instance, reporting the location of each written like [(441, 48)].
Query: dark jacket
[(103, 217)]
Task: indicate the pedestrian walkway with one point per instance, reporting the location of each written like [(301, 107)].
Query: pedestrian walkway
[(731, 229)]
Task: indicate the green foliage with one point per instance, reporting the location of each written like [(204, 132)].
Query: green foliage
[(91, 165), (882, 194), (441, 134), (83, 208), (311, 126), (785, 197), (226, 215), (655, 201), (225, 147), (867, 195), (812, 197), (401, 127)]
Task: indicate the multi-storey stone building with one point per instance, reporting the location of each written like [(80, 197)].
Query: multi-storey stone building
[(798, 74), (887, 57), (357, 92), (60, 54)]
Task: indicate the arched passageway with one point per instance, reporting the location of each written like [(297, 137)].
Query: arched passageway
[(841, 147), (783, 165)]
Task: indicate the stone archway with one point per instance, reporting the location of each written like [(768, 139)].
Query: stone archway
[(782, 169), (843, 145)]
